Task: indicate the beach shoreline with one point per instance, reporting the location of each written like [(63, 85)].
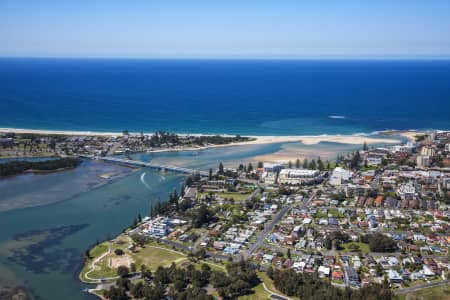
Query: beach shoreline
[(256, 139)]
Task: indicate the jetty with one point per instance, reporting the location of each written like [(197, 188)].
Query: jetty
[(151, 165)]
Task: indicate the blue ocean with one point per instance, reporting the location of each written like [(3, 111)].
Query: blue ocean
[(259, 97)]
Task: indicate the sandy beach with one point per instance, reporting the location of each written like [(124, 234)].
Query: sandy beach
[(409, 134), (306, 140), (291, 154), (59, 132), (311, 148), (312, 140)]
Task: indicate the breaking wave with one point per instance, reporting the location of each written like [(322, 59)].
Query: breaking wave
[(337, 117)]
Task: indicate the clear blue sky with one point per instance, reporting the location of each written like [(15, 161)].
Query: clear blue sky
[(225, 29)]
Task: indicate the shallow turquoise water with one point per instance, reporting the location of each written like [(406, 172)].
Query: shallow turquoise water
[(27, 190), (232, 156), (58, 234)]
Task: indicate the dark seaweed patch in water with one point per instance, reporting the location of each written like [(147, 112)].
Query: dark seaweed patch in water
[(13, 293), (117, 200), (42, 256)]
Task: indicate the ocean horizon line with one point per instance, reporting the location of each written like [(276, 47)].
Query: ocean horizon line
[(224, 58)]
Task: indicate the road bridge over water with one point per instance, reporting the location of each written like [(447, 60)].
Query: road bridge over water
[(139, 163)]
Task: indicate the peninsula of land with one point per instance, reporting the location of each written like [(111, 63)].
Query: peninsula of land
[(202, 141)]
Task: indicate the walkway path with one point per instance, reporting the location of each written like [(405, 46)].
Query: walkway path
[(274, 295), (94, 262)]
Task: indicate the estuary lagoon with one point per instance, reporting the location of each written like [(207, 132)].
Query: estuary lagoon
[(30, 189), (232, 156), (42, 247)]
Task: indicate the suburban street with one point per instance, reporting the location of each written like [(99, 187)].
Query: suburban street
[(268, 228)]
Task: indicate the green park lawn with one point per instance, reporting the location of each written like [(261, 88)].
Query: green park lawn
[(434, 293), (152, 255), (103, 270), (95, 252), (260, 292), (362, 246), (238, 197), (98, 250), (335, 213)]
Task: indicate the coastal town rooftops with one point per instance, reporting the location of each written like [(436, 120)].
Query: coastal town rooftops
[(393, 276), (342, 173), (270, 167), (298, 173), (407, 188), (191, 193)]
